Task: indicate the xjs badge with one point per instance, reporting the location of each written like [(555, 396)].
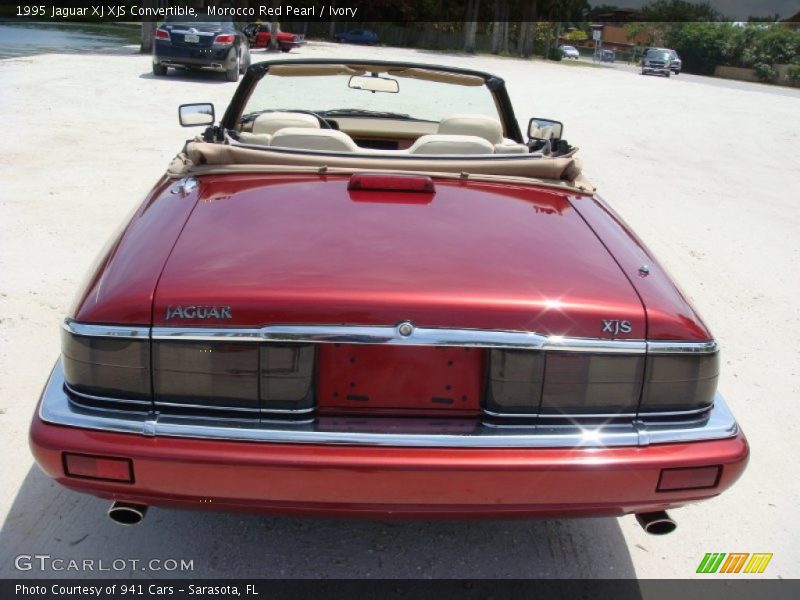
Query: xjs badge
[(616, 327), (198, 312)]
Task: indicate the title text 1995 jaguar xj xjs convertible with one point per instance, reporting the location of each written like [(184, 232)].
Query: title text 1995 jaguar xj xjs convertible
[(364, 292)]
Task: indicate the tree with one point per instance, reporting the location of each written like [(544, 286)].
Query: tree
[(148, 32), (471, 25)]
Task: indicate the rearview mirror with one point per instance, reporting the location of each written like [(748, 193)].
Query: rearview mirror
[(374, 84), (192, 115), (545, 129)]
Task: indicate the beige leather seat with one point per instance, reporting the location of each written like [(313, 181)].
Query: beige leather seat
[(260, 139), (481, 126), (271, 122), (451, 144), (323, 140)]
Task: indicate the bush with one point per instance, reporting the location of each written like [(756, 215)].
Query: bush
[(793, 74), (555, 53), (765, 72)]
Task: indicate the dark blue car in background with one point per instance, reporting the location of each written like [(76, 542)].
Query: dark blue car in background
[(357, 36)]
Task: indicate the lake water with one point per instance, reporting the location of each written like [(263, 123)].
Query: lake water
[(29, 39)]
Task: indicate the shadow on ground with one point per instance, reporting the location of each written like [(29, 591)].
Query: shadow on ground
[(48, 519)]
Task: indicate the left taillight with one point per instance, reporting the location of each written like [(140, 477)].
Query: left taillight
[(110, 366), (224, 39), (162, 34)]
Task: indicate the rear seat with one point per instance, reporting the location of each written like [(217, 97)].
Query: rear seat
[(325, 140), (451, 144), (267, 124), (484, 127)]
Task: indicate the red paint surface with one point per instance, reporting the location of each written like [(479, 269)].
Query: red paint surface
[(356, 378), (281, 250), (301, 249), (121, 286), (377, 481), (669, 314)]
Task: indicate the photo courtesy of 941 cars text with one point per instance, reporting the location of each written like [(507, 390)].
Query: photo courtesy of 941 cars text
[(471, 295)]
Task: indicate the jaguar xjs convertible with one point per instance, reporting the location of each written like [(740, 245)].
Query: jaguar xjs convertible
[(364, 292)]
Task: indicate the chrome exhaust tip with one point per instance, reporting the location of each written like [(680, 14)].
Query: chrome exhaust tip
[(656, 523), (127, 514)]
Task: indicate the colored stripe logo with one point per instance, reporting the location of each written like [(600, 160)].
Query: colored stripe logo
[(734, 562)]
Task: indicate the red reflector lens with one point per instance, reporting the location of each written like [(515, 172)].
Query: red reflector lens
[(391, 183), (98, 467), (690, 478), (162, 34), (224, 39)]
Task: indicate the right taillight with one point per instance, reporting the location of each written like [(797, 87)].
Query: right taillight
[(162, 34), (595, 384), (679, 382)]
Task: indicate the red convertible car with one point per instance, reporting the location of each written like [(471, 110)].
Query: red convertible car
[(364, 292), (260, 35)]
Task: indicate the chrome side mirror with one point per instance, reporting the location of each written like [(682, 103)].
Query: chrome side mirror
[(545, 129), (193, 115)]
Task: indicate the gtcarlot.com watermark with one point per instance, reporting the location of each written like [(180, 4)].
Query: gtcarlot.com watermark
[(47, 562)]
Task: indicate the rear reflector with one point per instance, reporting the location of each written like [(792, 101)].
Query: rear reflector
[(102, 468), (391, 183), (689, 478)]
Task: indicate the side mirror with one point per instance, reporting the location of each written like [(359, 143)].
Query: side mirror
[(374, 84), (545, 129), (193, 115)]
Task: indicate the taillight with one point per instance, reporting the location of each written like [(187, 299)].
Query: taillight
[(573, 384), (223, 39), (581, 383), (162, 34), (679, 382), (242, 377), (108, 365)]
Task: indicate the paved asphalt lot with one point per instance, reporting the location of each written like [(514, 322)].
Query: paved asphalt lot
[(705, 171)]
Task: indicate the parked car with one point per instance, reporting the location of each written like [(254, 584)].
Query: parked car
[(607, 56), (570, 52), (197, 44), (357, 36), (675, 62), (656, 60), (309, 314), (260, 35)]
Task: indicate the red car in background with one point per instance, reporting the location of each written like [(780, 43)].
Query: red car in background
[(260, 36), (352, 298)]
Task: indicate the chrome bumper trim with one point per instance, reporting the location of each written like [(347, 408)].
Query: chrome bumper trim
[(718, 423), (402, 334), (358, 334)]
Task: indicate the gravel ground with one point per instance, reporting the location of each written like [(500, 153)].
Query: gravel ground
[(706, 173)]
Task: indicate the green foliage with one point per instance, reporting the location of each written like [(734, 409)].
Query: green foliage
[(679, 10), (703, 46), (555, 53), (765, 72), (793, 74)]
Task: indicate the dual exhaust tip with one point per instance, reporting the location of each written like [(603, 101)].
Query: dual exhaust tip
[(125, 513), (656, 523)]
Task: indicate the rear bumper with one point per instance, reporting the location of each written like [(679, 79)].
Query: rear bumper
[(215, 57), (378, 480)]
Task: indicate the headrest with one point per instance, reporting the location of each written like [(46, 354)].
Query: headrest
[(451, 144), (270, 122), (325, 140), (478, 125)]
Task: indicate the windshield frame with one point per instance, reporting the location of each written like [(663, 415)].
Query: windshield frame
[(495, 85)]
